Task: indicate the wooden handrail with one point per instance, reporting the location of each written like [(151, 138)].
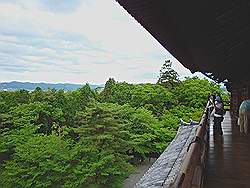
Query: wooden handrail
[(181, 165), (193, 165)]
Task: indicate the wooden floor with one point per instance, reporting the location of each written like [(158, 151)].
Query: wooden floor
[(228, 163)]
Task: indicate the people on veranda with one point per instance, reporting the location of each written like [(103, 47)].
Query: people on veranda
[(210, 104), (244, 116), (218, 114)]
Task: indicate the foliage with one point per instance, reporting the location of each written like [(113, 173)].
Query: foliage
[(169, 78), (151, 96), (84, 138), (42, 161), (194, 92)]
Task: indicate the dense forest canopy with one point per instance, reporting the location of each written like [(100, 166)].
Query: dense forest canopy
[(85, 138)]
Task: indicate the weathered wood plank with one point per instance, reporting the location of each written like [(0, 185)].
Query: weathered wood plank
[(228, 163)]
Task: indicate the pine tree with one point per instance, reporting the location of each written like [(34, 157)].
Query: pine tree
[(168, 76)]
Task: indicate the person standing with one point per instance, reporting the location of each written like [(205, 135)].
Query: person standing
[(210, 105), (244, 116), (218, 114)]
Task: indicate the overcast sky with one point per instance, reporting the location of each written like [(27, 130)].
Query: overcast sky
[(76, 41)]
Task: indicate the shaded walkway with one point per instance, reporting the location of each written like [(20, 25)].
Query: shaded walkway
[(228, 163)]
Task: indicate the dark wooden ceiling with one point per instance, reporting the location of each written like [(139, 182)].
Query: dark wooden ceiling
[(212, 37)]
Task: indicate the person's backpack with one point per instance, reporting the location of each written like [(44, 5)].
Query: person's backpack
[(220, 109)]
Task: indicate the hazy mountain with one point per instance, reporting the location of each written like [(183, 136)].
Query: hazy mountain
[(9, 86)]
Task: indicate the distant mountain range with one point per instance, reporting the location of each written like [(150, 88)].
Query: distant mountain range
[(11, 86)]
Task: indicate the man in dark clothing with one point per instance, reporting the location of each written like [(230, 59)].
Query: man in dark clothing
[(219, 112)]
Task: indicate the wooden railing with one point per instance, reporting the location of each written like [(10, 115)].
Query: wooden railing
[(192, 170), (182, 164)]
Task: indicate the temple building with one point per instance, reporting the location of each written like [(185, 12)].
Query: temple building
[(212, 37)]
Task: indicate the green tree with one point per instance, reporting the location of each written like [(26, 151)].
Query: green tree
[(12, 99), (151, 96), (193, 92), (168, 76), (42, 161), (37, 95), (106, 94), (100, 129)]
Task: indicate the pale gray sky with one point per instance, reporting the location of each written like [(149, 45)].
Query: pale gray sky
[(76, 41)]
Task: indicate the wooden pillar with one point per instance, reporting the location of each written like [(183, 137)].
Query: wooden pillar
[(248, 91), (239, 92)]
